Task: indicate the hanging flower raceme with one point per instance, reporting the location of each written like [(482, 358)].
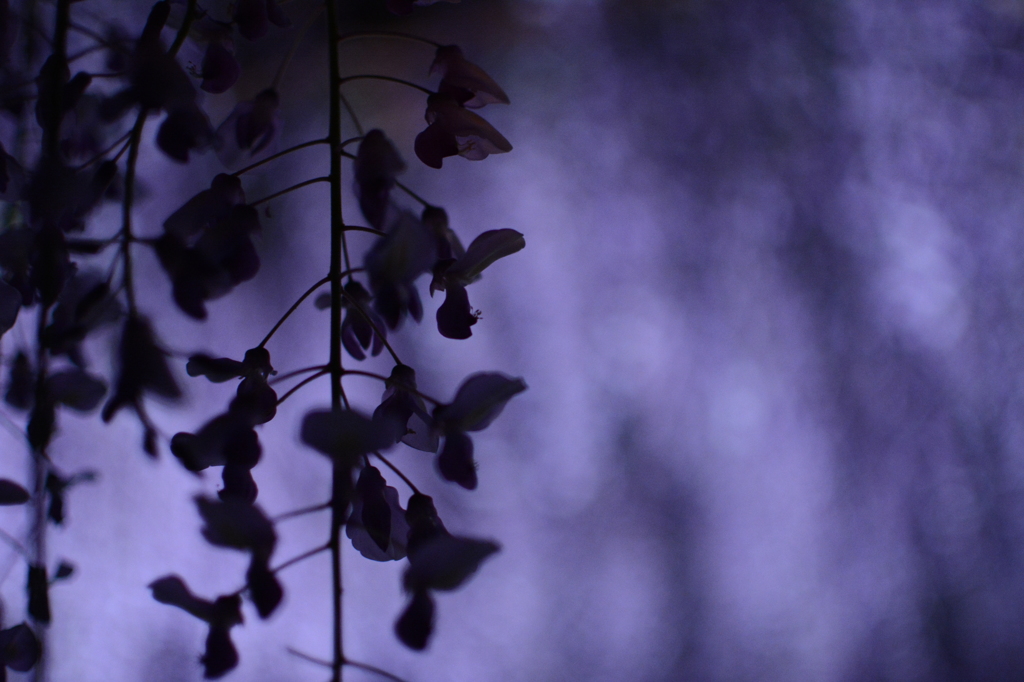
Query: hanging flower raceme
[(454, 130)]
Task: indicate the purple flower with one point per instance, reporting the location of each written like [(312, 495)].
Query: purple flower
[(454, 130), (464, 80)]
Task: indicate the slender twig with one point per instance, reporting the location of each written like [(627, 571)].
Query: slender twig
[(340, 472), (373, 669), (126, 209), (398, 471), (294, 48), (307, 657), (302, 557), (13, 542), (291, 310), (390, 79), (106, 151), (286, 190), (295, 373), (301, 512), (300, 385), (279, 155), (186, 25), (360, 228), (388, 34)]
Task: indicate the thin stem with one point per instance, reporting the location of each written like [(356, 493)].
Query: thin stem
[(388, 34), (307, 657), (186, 25), (294, 49), (13, 542), (103, 153), (126, 209), (398, 471), (304, 370), (300, 385), (341, 476), (278, 155), (301, 512), (291, 310), (390, 79), (373, 669), (286, 190), (360, 228), (301, 557)]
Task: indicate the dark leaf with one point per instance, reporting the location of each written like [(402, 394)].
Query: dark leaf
[(445, 562), (19, 648), (455, 463), (236, 524), (416, 623), (76, 389), (12, 493), (478, 402), (38, 594)]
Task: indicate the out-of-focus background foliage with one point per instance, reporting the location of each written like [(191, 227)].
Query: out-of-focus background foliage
[(771, 316)]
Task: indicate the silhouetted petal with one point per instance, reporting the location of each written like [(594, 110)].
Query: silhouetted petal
[(205, 209), (399, 530), (404, 411), (85, 304), (250, 127), (256, 401), (357, 332), (478, 402), (38, 594), (445, 562), (185, 129), (76, 389), (56, 486), (172, 590), (252, 18), (41, 423), (19, 648), (375, 511), (424, 523), (448, 244), (207, 447), (485, 249), (220, 656), (264, 588), (12, 493), (143, 368), (21, 384), (238, 484), (467, 82), (453, 130), (455, 316), (220, 69), (455, 463), (217, 370), (402, 7), (375, 167), (416, 623), (343, 434), (394, 262), (64, 571), (236, 524)]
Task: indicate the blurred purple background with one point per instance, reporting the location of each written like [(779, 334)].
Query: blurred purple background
[(771, 316)]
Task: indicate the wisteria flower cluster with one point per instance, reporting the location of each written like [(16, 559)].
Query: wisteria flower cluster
[(80, 105)]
